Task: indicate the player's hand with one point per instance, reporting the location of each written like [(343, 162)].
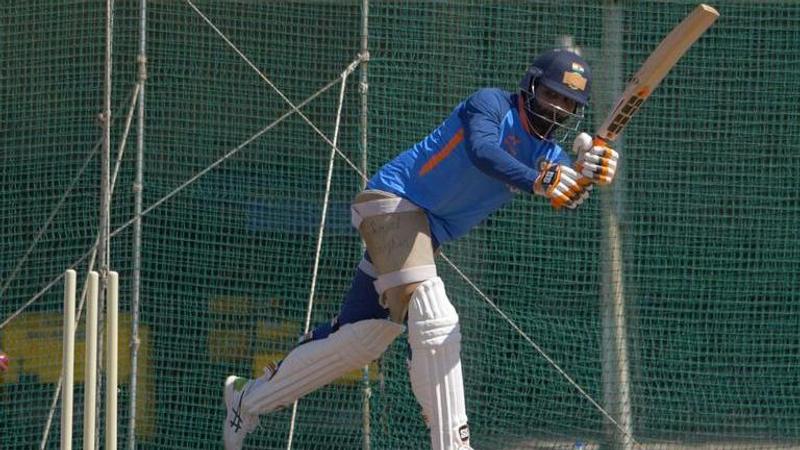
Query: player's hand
[(596, 160), (586, 189), (562, 185), (3, 362)]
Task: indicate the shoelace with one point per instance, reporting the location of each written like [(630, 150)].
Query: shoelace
[(237, 421)]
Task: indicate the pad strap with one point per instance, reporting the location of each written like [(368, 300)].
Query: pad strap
[(367, 267), (378, 207), (404, 276)]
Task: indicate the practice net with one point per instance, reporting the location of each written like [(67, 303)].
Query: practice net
[(706, 209)]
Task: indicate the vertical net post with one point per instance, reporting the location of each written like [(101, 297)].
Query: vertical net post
[(103, 250), (105, 155), (138, 186), (363, 86), (616, 377)]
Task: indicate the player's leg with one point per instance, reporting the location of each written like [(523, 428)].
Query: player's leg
[(357, 336), (402, 252), (360, 302), (435, 365), (398, 239), (305, 369)]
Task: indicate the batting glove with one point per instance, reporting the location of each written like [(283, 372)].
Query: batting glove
[(562, 185), (596, 160)]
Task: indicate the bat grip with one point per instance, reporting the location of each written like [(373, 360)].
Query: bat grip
[(599, 141)]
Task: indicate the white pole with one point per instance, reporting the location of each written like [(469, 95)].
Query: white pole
[(90, 369), (616, 372), (68, 360), (112, 342), (320, 236)]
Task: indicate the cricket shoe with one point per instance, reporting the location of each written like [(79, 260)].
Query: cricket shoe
[(238, 424)]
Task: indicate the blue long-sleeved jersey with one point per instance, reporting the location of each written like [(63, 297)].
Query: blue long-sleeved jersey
[(470, 165)]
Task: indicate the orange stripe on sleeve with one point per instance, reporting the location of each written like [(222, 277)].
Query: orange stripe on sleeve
[(443, 153)]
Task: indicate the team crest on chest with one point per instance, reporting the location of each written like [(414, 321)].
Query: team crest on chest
[(511, 142)]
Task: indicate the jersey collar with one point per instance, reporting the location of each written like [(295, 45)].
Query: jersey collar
[(523, 118)]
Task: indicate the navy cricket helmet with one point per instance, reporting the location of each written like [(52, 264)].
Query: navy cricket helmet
[(563, 71)]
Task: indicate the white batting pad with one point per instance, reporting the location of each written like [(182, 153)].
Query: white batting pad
[(435, 366), (317, 363)]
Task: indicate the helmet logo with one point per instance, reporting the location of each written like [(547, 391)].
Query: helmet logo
[(574, 81)]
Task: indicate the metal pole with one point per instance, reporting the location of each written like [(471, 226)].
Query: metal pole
[(138, 185), (103, 246), (362, 89), (616, 374), (105, 154)]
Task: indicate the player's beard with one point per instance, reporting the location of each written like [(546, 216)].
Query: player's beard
[(546, 121)]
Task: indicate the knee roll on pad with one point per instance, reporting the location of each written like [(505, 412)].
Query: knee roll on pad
[(435, 365), (317, 363), (365, 341)]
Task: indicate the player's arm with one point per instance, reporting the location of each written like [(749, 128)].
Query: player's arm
[(560, 182), (482, 115)]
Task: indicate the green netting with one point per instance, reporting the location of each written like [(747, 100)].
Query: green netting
[(708, 213)]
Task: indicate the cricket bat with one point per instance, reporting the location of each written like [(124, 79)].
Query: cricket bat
[(654, 69)]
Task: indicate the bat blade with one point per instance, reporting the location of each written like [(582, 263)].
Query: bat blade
[(655, 68)]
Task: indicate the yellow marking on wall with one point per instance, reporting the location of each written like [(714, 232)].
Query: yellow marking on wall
[(33, 341)]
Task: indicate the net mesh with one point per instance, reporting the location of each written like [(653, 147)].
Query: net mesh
[(707, 210)]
